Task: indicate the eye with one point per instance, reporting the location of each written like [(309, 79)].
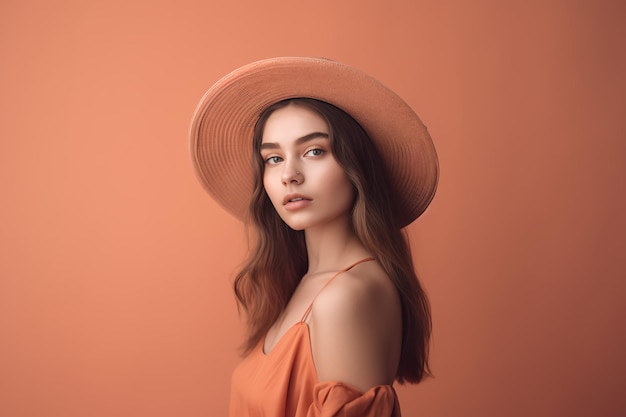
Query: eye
[(315, 152), (273, 160)]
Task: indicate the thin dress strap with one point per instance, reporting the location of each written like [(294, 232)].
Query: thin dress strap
[(308, 310)]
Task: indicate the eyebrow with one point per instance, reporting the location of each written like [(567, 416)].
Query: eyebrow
[(299, 141)]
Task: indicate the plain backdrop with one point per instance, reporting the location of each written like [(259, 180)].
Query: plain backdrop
[(116, 267)]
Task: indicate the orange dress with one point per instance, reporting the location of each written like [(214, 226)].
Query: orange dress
[(284, 383)]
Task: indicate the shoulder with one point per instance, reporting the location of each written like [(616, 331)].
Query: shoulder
[(356, 328), (362, 290)]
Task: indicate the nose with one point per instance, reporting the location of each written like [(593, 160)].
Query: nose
[(291, 174)]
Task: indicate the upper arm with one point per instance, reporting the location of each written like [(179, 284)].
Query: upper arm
[(356, 330)]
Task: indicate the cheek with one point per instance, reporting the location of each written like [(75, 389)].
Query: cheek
[(266, 186), (343, 187), (269, 186)]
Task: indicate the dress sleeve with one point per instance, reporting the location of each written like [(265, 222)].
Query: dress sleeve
[(334, 399)]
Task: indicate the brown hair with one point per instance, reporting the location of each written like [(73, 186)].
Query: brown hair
[(268, 278)]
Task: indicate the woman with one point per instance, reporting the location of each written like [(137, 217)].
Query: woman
[(327, 165)]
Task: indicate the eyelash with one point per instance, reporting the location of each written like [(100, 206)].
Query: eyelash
[(316, 149), (272, 160)]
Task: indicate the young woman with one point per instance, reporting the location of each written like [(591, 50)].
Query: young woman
[(327, 166)]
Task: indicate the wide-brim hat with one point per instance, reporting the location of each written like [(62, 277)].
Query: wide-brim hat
[(222, 128)]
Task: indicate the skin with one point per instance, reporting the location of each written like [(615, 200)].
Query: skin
[(355, 323)]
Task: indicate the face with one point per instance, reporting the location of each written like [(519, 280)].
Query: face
[(303, 180)]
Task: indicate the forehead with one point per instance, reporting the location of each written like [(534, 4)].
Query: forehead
[(292, 122)]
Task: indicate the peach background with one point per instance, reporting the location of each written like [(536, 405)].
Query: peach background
[(115, 267)]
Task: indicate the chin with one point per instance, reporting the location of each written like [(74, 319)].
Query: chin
[(297, 226), (309, 222)]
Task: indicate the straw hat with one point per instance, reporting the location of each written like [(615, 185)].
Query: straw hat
[(222, 128)]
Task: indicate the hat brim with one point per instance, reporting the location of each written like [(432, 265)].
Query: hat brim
[(222, 128)]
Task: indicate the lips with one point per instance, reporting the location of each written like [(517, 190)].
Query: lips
[(292, 198)]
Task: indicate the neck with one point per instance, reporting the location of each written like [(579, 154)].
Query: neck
[(333, 246)]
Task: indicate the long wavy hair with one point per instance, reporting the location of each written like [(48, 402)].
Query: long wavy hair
[(268, 278)]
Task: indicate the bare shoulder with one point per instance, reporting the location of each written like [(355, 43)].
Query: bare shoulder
[(363, 290), (356, 328)]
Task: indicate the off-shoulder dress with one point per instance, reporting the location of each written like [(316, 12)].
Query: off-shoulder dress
[(284, 382)]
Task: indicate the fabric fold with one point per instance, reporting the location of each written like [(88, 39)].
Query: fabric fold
[(336, 399)]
